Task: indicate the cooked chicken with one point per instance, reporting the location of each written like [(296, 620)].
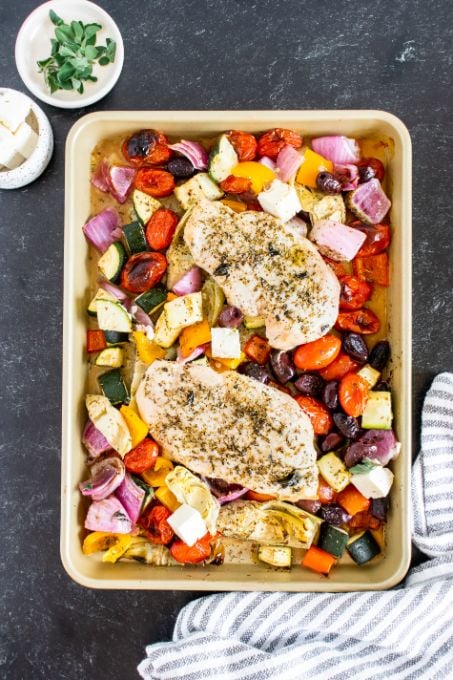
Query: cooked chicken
[(230, 427), (266, 270)]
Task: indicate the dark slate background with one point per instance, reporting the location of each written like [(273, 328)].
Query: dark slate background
[(191, 54)]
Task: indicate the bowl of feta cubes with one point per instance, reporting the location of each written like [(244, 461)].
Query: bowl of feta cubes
[(26, 139)]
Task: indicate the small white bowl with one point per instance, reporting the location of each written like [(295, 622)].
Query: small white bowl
[(33, 44), (35, 165)]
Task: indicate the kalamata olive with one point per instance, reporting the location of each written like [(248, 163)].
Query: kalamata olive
[(379, 508), (255, 371), (230, 317), (366, 172), (379, 355), (180, 167), (354, 454), (325, 181), (309, 506), (330, 395), (348, 425), (369, 168), (382, 386), (282, 365), (330, 442), (354, 345), (310, 384), (334, 514), (139, 144), (304, 215)]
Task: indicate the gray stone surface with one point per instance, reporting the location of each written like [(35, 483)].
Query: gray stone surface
[(203, 55)]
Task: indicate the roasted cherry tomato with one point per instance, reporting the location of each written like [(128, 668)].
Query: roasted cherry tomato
[(353, 394), (260, 497), (198, 552), (154, 521), (161, 228), (142, 271), (354, 292), (146, 147), (339, 367), (273, 141), (142, 458), (235, 185), (156, 183), (361, 321), (373, 268), (317, 354), (338, 267), (364, 520), (377, 238), (325, 492), (371, 167), (319, 414), (244, 144)]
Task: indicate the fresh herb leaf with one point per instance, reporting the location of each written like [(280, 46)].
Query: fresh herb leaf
[(64, 33), (91, 52), (91, 30), (66, 72), (363, 467), (103, 61), (55, 19), (77, 29)]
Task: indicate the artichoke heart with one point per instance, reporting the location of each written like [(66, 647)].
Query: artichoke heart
[(190, 489), (179, 257), (141, 550), (321, 206), (272, 523)]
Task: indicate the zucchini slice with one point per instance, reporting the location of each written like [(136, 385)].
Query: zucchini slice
[(112, 316), (377, 414), (134, 238), (100, 295), (145, 206), (332, 539), (213, 300), (113, 387), (195, 189), (152, 299), (114, 338), (222, 160), (112, 261), (363, 547), (252, 322), (276, 556), (112, 356), (334, 471)]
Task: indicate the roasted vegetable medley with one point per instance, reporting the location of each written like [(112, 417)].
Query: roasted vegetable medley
[(264, 255)]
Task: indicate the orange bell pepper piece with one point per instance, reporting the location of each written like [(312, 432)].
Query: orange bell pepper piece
[(158, 475), (260, 497), (167, 498), (312, 165), (257, 349), (237, 206), (258, 174), (352, 500), (373, 268), (147, 350), (318, 560), (194, 336)]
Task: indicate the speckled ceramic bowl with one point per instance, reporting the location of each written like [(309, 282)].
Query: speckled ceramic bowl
[(35, 165)]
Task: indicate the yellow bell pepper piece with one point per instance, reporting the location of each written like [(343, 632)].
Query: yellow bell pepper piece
[(312, 165), (167, 498), (237, 206), (194, 336), (119, 548), (157, 476), (99, 540), (147, 350), (258, 174), (221, 365), (137, 427)]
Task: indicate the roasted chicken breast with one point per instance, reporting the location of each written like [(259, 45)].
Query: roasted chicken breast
[(266, 270), (230, 427)]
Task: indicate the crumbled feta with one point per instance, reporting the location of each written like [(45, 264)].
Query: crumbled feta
[(188, 524), (374, 484), (280, 200), (9, 156), (14, 108), (225, 343), (25, 140)]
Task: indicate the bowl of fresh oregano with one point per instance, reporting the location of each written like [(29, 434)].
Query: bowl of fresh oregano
[(69, 53)]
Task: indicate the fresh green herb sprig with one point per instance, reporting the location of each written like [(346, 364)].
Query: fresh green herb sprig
[(73, 53), (363, 467)]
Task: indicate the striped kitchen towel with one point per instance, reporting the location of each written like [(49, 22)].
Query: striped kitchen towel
[(405, 633)]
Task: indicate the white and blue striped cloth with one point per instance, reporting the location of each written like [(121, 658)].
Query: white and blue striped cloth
[(399, 634)]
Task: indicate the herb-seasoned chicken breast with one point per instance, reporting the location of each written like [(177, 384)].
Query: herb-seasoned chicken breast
[(231, 427), (266, 270)]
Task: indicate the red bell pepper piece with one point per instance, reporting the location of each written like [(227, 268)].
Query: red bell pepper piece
[(257, 349), (373, 268), (96, 341)]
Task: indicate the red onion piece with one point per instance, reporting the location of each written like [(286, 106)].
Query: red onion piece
[(198, 352), (230, 317), (348, 175), (101, 229), (223, 491), (190, 282), (232, 496), (268, 162), (113, 290), (121, 180), (288, 162), (297, 226), (378, 446), (369, 202), (94, 441), (194, 151), (108, 515), (131, 497), (337, 148), (140, 316), (101, 179), (106, 476)]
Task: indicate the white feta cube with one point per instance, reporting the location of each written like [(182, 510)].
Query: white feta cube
[(225, 343), (25, 140), (14, 108), (280, 200), (9, 157), (188, 524), (374, 484)]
